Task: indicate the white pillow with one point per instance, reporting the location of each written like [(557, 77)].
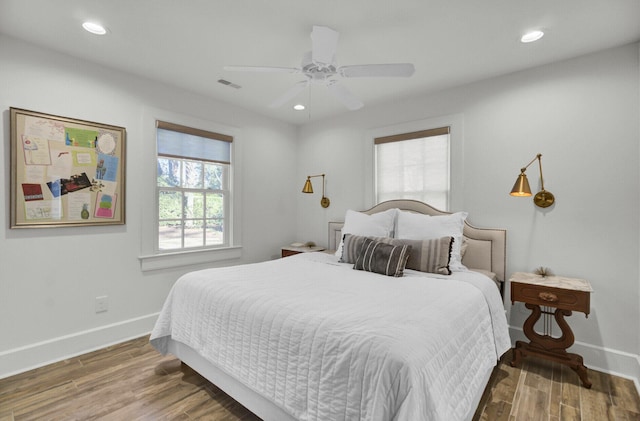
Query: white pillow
[(377, 225), (417, 226)]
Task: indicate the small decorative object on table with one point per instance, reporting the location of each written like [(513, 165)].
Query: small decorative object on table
[(563, 294), (544, 272), (296, 248)]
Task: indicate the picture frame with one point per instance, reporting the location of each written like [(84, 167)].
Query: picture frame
[(65, 172)]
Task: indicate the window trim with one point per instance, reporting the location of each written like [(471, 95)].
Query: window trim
[(150, 258), (188, 257), (161, 124), (455, 122), (438, 131)]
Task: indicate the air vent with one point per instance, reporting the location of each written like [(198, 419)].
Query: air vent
[(230, 84)]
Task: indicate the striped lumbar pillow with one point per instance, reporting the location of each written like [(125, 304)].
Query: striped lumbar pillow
[(432, 255), (382, 258)]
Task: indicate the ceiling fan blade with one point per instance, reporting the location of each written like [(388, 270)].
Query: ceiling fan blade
[(378, 70), (289, 94), (263, 69), (324, 42), (345, 96)]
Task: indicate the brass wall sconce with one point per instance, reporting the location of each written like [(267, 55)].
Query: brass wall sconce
[(521, 188), (308, 188)]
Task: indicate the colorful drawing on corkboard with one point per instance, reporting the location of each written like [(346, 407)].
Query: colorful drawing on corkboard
[(105, 204)]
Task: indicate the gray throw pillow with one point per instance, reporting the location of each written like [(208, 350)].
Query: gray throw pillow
[(382, 258)]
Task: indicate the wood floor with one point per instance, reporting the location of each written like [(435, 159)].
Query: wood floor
[(543, 390), (131, 381)]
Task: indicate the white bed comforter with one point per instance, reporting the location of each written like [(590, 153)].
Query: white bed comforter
[(326, 342)]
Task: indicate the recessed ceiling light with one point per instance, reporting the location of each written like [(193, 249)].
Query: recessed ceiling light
[(94, 28), (298, 107), (532, 36)]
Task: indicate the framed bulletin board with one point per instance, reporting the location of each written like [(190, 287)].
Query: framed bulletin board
[(65, 172)]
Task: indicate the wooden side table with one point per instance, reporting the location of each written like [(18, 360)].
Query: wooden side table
[(563, 294), (291, 250)]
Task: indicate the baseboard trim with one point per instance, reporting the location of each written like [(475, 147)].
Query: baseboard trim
[(28, 357), (606, 360)]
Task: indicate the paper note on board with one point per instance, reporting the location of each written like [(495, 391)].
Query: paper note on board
[(80, 137), (43, 209), (44, 129), (34, 173), (36, 150), (78, 206)]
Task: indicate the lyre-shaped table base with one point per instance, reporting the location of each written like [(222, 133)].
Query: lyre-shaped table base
[(548, 347)]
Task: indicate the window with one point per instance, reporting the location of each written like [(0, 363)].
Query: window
[(193, 188), (414, 166)]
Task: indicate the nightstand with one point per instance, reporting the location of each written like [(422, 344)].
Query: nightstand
[(563, 294), (291, 250)]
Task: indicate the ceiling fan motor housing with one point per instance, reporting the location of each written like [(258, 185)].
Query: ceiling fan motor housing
[(317, 72)]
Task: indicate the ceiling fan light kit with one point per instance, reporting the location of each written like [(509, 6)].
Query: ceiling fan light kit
[(319, 67)]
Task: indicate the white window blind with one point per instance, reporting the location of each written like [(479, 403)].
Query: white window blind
[(186, 142), (414, 166)]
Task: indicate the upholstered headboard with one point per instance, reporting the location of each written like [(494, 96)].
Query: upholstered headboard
[(486, 248)]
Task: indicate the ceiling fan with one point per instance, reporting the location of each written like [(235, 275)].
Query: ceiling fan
[(319, 66)]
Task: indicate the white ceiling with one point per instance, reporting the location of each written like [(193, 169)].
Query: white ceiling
[(451, 42)]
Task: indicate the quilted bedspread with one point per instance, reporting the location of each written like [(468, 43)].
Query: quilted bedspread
[(326, 342)]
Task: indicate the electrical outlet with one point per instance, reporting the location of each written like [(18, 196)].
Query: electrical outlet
[(102, 304)]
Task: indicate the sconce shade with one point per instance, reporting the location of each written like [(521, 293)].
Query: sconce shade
[(521, 187), (308, 188)]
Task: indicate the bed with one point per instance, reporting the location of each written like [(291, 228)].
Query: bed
[(307, 337)]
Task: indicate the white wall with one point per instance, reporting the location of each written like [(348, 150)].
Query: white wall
[(582, 115), (49, 278)]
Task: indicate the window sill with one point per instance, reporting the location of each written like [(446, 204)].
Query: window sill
[(187, 258)]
